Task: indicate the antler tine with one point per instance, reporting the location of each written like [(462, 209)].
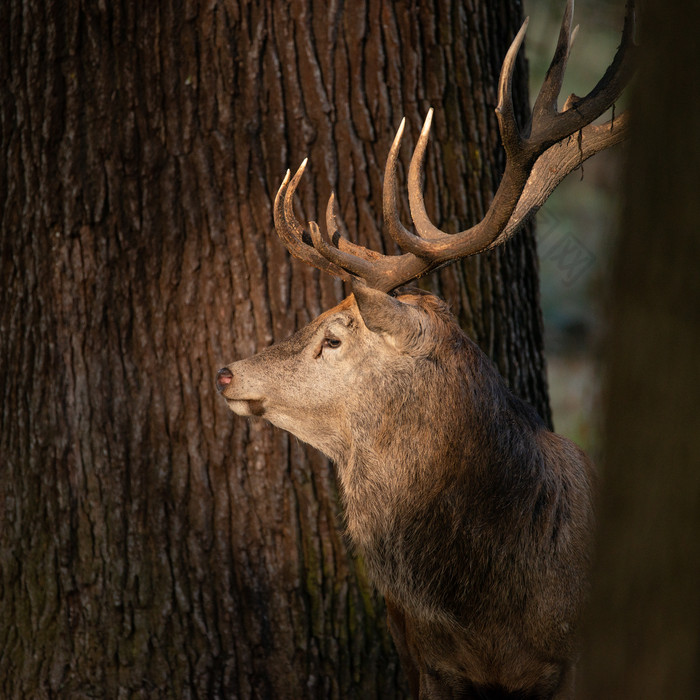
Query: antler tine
[(359, 267), (428, 232), (291, 233), (510, 134), (353, 263), (339, 241), (406, 239), (290, 191), (546, 101)]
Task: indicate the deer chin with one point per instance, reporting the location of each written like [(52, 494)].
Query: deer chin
[(247, 407)]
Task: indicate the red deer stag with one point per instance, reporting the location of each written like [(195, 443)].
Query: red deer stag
[(473, 519)]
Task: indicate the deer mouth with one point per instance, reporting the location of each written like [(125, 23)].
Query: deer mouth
[(247, 407)]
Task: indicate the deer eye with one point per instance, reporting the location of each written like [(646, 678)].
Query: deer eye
[(331, 343)]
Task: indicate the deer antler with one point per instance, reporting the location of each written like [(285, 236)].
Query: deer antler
[(537, 160)]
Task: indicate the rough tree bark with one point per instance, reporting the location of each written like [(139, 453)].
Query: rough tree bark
[(152, 545), (643, 640)]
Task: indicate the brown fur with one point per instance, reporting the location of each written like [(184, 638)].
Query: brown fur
[(473, 519)]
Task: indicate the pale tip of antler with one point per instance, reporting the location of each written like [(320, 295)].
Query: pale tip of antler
[(396, 142), (399, 131), (506, 76), (573, 36), (298, 174), (331, 213), (521, 34), (426, 124), (317, 236), (283, 186)]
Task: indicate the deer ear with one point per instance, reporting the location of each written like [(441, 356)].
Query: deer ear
[(382, 313)]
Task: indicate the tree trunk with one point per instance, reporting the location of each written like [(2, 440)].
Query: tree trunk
[(643, 640), (152, 544)]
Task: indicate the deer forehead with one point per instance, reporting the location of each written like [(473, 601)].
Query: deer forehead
[(339, 322)]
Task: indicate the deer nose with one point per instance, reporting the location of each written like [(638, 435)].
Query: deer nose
[(223, 378)]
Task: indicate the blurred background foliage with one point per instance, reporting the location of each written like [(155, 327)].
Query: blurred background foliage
[(576, 226)]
